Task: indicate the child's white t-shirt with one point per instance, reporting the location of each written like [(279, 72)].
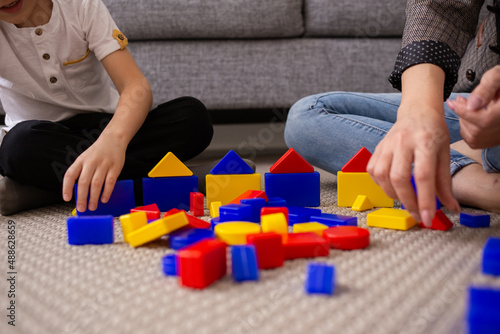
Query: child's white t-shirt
[(53, 72)]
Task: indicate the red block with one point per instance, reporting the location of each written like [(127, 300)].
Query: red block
[(303, 245), (193, 221), (347, 237), (358, 162), (202, 263), (291, 162), (269, 249), (249, 194), (267, 210), (152, 211), (197, 204), (440, 222)]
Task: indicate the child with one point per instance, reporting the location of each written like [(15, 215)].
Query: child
[(65, 122), (414, 130)]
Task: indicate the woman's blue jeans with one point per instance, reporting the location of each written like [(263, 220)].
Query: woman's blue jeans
[(328, 129)]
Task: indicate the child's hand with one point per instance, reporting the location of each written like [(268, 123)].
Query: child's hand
[(99, 165)]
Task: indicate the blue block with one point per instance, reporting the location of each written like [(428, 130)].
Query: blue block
[(214, 221), (256, 204), (235, 212), (90, 230), (232, 164), (320, 278), (276, 202), (122, 200), (297, 214), (170, 264), (474, 220), (438, 203), (244, 263), (185, 237), (331, 219), (491, 257), (169, 192), (483, 310), (297, 189)]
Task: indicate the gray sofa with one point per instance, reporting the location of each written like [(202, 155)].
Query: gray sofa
[(261, 54)]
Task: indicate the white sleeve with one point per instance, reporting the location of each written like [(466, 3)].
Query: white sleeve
[(100, 29)]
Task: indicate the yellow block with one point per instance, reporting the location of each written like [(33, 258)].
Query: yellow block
[(226, 187), (362, 203), (73, 213), (170, 165), (214, 209), (133, 221), (157, 229), (351, 185), (395, 219), (235, 233), (274, 222), (310, 227)]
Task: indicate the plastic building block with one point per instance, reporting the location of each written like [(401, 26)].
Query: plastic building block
[(120, 202), (347, 237), (305, 245), (169, 192), (320, 278), (169, 166), (188, 236), (257, 204), (351, 185), (297, 214), (270, 210), (276, 201), (310, 227), (395, 219), (483, 310), (202, 263), (157, 229), (169, 264), (73, 213), (235, 233), (491, 257), (269, 249), (330, 219), (152, 211), (474, 220), (297, 189), (291, 162), (214, 222), (235, 212), (275, 222), (362, 203), (214, 209), (197, 204), (244, 263), (231, 164), (438, 203), (133, 221), (193, 221), (95, 230), (439, 222), (248, 195), (358, 162), (224, 188)]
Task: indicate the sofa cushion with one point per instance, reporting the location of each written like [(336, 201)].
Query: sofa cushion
[(362, 18), (192, 19)]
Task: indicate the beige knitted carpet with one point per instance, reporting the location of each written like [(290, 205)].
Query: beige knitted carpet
[(404, 282)]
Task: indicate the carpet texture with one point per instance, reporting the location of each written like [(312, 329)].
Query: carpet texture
[(405, 282)]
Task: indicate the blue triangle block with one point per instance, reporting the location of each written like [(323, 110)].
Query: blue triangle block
[(232, 164)]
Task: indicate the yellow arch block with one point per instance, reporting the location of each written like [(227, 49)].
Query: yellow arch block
[(351, 185), (310, 227), (395, 219), (132, 222), (226, 187), (235, 233)]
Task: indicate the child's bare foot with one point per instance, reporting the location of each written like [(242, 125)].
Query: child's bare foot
[(472, 186)]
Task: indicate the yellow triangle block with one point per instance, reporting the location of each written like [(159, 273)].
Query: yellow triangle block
[(170, 165), (362, 203)]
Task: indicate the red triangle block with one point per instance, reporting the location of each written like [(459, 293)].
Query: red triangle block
[(193, 221), (440, 222), (358, 162), (291, 162), (152, 211)]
